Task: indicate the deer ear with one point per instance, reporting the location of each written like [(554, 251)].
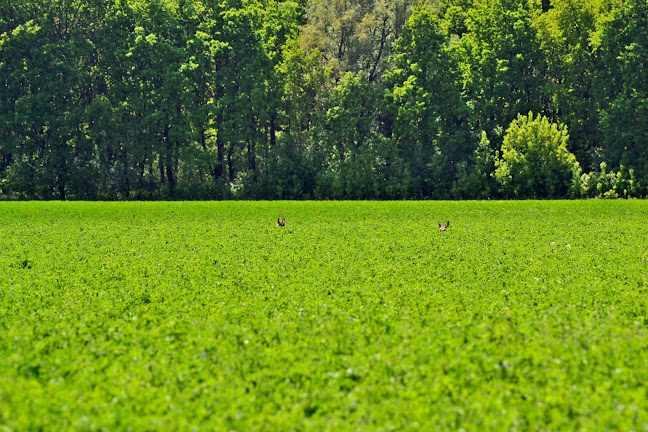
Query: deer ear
[(448, 224), (438, 224)]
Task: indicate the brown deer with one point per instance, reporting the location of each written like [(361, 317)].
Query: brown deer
[(281, 223), (442, 228)]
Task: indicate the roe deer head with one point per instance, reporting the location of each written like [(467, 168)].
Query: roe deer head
[(442, 228)]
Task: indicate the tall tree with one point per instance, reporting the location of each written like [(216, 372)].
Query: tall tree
[(502, 66), (430, 120), (355, 36), (565, 32), (46, 67), (298, 153), (621, 85)]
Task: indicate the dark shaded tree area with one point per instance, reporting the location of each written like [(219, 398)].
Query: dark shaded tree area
[(323, 99)]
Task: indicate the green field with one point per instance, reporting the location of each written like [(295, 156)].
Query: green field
[(356, 316)]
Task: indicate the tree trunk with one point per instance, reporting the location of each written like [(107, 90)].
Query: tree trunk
[(126, 179), (220, 149), (230, 162), (169, 160), (251, 157), (61, 187), (170, 177), (273, 130), (161, 166)]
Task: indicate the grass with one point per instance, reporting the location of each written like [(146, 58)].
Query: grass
[(356, 316)]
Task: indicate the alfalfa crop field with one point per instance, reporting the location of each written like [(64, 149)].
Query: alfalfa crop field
[(354, 316)]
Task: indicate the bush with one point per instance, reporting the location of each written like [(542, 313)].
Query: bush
[(534, 161), (603, 184)]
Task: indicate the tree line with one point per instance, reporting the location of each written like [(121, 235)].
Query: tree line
[(323, 99)]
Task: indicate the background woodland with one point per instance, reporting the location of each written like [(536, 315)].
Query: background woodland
[(323, 99)]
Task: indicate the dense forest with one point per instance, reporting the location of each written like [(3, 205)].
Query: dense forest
[(323, 99)]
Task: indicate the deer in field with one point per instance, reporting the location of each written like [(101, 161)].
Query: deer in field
[(443, 228), (281, 223)]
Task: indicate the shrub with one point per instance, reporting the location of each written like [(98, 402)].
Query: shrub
[(604, 184), (534, 161)]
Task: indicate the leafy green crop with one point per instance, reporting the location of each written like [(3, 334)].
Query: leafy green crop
[(355, 316)]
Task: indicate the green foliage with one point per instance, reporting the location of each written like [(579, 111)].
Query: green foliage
[(604, 184), (207, 316), (355, 36), (296, 129), (565, 33), (534, 160), (44, 69), (249, 99), (501, 63), (350, 127), (621, 45), (426, 106), (476, 178)]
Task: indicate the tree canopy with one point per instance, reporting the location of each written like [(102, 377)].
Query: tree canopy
[(322, 99)]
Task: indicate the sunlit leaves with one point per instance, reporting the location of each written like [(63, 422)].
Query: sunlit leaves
[(534, 160)]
